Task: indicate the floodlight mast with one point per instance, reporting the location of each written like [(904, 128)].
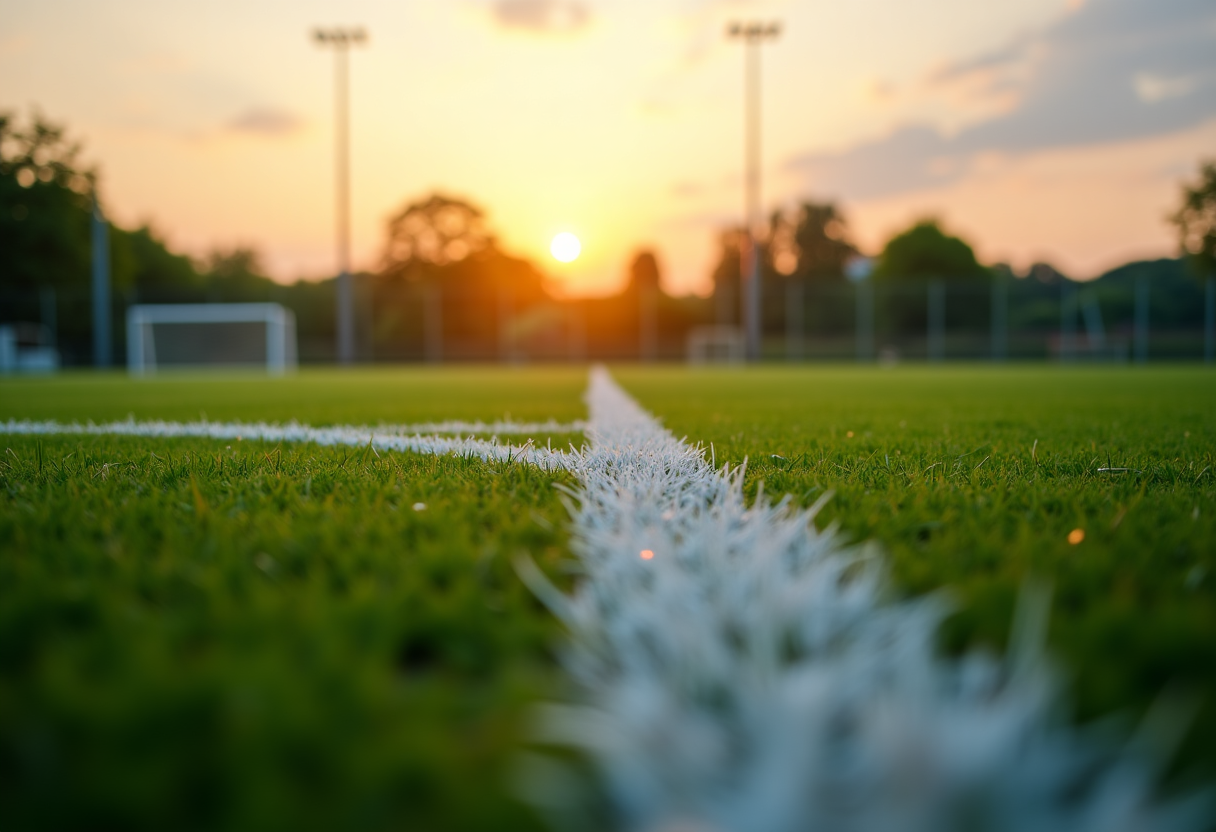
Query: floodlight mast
[(753, 35), (341, 40)]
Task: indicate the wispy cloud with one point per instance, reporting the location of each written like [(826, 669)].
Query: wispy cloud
[(541, 15), (265, 121), (1112, 70)]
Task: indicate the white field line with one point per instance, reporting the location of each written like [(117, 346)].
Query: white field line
[(497, 428), (753, 675), (388, 437)]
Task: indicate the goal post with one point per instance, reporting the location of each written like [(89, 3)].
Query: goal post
[(201, 335), (716, 344)]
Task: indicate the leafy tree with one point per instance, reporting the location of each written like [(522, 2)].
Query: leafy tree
[(1046, 274), (239, 263), (913, 259), (644, 273), (236, 275), (156, 274), (925, 251), (444, 244), (435, 231), (1196, 221), (814, 240), (45, 201)]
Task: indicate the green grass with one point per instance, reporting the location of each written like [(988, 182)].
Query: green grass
[(972, 479), (318, 397), (233, 635), (200, 634)]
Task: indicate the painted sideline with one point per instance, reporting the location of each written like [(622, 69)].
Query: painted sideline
[(736, 669), (383, 437)]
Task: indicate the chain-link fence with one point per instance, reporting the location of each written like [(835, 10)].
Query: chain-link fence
[(866, 321)]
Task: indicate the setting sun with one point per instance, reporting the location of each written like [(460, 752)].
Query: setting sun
[(565, 247)]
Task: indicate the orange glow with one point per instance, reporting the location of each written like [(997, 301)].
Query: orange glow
[(647, 554), (1076, 536), (611, 144)]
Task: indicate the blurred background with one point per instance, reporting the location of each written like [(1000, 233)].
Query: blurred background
[(931, 181)]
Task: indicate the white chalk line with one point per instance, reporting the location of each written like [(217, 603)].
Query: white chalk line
[(737, 670), (752, 673), (384, 437)]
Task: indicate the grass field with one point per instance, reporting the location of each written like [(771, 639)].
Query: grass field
[(973, 478), (198, 634)]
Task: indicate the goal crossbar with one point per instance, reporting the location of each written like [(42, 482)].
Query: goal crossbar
[(280, 325)]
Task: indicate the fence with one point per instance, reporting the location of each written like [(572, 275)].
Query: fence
[(933, 320), (998, 320)]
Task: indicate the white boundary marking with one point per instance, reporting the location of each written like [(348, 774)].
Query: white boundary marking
[(385, 437), (753, 675)]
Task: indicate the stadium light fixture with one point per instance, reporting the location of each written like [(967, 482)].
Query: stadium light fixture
[(753, 35), (342, 40)]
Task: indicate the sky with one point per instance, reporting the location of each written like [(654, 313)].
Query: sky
[(1039, 130)]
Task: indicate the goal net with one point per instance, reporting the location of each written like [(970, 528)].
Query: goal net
[(210, 335)]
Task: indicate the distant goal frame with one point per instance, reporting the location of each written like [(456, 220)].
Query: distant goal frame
[(716, 344), (281, 351)]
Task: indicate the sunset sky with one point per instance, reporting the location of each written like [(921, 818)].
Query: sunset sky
[(1037, 129)]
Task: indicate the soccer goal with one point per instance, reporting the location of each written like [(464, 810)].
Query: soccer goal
[(201, 335), (715, 344)]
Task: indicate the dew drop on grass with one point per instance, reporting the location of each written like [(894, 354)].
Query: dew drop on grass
[(419, 506), (1076, 536)]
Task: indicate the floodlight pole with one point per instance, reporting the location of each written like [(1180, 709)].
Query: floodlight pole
[(341, 40), (101, 285), (753, 35)]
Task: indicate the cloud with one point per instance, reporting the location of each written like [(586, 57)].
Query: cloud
[(1113, 70), (264, 121), (1001, 59), (541, 15)]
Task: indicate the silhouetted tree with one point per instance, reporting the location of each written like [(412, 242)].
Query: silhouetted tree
[(644, 273), (909, 262), (238, 263), (156, 274), (804, 263), (1046, 274), (233, 275), (925, 251), (439, 250), (435, 231), (819, 241), (45, 201), (1196, 221), (727, 277)]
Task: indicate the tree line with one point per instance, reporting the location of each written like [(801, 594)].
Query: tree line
[(445, 288)]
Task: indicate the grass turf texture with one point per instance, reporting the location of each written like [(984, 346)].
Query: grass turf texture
[(199, 634), (232, 635), (941, 467)]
